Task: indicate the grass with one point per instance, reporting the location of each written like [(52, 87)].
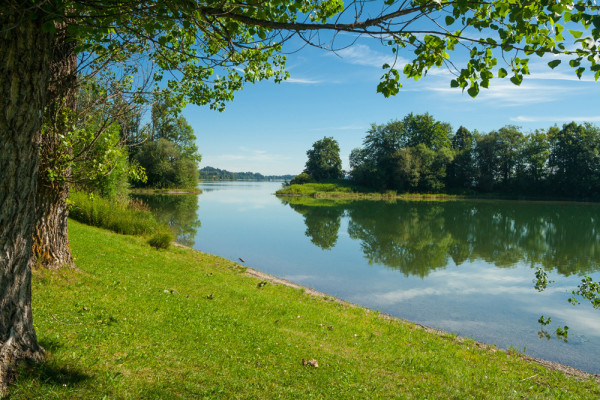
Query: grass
[(167, 190), (118, 215), (141, 323), (344, 189)]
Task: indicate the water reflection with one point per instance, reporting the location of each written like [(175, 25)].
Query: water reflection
[(417, 237), (179, 211)]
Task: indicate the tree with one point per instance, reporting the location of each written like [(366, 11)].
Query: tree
[(536, 153), (575, 159), (404, 155), (324, 160), (211, 50), (424, 129), (462, 172), (169, 154)]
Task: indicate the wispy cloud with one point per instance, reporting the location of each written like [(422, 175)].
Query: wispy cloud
[(361, 54), (487, 281), (302, 81), (506, 94)]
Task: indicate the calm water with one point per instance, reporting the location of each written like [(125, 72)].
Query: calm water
[(465, 267)]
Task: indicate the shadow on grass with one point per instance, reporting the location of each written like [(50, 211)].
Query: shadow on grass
[(50, 372)]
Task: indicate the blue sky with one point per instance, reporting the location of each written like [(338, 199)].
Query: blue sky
[(269, 127)]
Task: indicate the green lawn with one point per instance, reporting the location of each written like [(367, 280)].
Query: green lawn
[(142, 323)]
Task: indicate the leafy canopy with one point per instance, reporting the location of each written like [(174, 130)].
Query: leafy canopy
[(206, 50)]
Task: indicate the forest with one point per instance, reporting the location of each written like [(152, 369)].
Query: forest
[(419, 154)]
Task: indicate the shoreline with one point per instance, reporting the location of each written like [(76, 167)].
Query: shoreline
[(552, 365), (166, 191)]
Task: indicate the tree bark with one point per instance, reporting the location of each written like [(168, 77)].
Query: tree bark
[(24, 71), (50, 239)]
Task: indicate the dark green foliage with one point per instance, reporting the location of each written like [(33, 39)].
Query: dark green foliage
[(324, 160), (169, 155), (161, 239), (408, 155), (119, 216), (418, 154), (575, 160)]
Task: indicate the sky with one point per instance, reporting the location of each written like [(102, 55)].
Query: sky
[(269, 127)]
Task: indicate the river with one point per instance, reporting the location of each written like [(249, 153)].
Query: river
[(466, 267)]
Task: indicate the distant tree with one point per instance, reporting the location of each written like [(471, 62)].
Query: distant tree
[(462, 171), (575, 160), (424, 129), (486, 161), (169, 155), (165, 165), (510, 142), (167, 123), (324, 160), (536, 154), (422, 169), (400, 155)]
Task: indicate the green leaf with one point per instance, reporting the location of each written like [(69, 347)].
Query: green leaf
[(454, 83), (553, 64), (576, 34), (502, 73), (517, 79), (473, 90), (449, 20)]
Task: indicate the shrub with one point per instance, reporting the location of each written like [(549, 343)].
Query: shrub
[(162, 238), (301, 179)]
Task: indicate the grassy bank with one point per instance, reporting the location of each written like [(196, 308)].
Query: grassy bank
[(141, 323), (347, 190), (165, 191)]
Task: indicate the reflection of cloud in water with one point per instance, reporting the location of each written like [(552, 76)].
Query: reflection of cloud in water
[(459, 283), (586, 319)]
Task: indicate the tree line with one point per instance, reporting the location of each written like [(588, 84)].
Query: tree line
[(420, 154), (216, 174)]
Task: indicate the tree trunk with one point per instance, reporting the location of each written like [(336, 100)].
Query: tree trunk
[(50, 240), (24, 71)]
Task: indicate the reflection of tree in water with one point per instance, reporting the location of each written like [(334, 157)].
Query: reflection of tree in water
[(405, 237), (322, 223), (179, 211), (417, 237)]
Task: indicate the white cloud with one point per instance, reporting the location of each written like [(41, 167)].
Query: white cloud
[(487, 281), (302, 81), (361, 54), (503, 93)]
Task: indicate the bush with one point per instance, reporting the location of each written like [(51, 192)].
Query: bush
[(301, 179), (162, 238), (117, 215)]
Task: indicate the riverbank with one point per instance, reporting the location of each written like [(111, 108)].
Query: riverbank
[(346, 190), (166, 191), (136, 322)]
